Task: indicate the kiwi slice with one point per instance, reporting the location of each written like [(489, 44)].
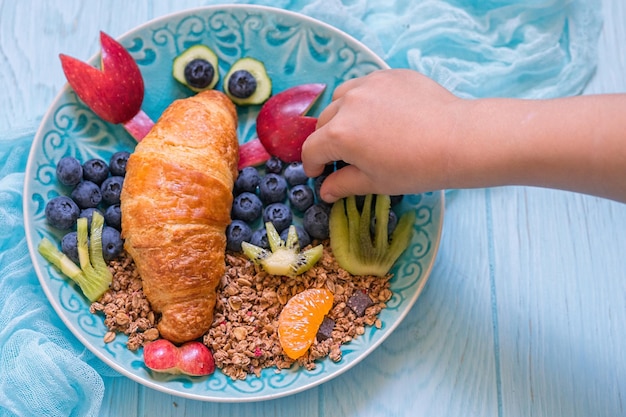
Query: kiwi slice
[(284, 257), (197, 68), (247, 82), (351, 240)]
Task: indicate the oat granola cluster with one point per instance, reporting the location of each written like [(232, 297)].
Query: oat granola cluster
[(244, 337), (125, 307)]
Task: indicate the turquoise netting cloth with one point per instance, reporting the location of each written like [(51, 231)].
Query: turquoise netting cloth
[(515, 48)]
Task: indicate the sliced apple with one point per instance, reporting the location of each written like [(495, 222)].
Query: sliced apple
[(282, 124), (116, 91), (252, 153)]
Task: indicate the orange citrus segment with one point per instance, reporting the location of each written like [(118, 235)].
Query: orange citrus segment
[(301, 318)]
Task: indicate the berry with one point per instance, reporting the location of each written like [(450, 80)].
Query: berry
[(88, 214), (340, 164), (199, 73), (274, 165), (396, 199), (317, 185), (247, 180), (113, 216), (315, 221), (242, 84), (69, 246), (62, 212), (69, 171), (294, 174), (304, 239), (360, 201), (117, 163), (247, 207), (259, 238), (272, 189), (86, 194), (279, 214), (112, 243), (236, 232), (301, 197), (111, 189), (391, 225), (95, 170)]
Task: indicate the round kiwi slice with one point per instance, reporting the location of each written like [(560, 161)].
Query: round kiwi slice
[(247, 82), (197, 68)]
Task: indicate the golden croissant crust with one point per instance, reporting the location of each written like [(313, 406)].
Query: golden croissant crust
[(176, 204)]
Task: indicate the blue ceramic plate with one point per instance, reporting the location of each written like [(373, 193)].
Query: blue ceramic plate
[(296, 50)]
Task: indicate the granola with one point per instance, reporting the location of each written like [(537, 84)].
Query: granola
[(244, 337)]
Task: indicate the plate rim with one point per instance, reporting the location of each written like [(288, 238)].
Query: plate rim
[(70, 325)]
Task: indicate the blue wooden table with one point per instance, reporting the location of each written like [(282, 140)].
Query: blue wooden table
[(525, 310)]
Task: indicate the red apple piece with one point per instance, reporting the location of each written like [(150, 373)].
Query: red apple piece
[(252, 153), (195, 359), (282, 125), (115, 92), (191, 358)]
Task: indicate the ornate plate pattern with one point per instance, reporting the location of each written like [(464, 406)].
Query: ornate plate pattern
[(296, 50)]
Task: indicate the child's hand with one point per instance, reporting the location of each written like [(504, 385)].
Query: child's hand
[(395, 129)]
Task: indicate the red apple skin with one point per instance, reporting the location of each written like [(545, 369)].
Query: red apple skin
[(114, 93), (191, 358), (252, 153), (195, 359), (160, 355), (281, 124)]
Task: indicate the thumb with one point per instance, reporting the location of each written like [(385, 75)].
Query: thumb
[(344, 182)]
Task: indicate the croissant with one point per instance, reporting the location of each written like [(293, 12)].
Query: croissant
[(175, 207)]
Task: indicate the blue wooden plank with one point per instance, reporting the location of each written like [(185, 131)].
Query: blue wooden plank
[(560, 288)]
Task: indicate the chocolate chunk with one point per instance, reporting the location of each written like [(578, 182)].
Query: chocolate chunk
[(326, 329), (359, 302)]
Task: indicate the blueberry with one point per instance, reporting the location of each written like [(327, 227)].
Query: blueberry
[(86, 194), (241, 84), (69, 246), (88, 214), (117, 163), (317, 185), (274, 165), (247, 207), (273, 188), (111, 189), (62, 212), (113, 216), (69, 171), (199, 73), (247, 180), (112, 243), (360, 201), (303, 237), (315, 221), (396, 199), (259, 238), (95, 170), (391, 225), (340, 164), (279, 214), (236, 232), (294, 174), (301, 197)]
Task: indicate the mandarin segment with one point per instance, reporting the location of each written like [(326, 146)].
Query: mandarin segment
[(301, 318)]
